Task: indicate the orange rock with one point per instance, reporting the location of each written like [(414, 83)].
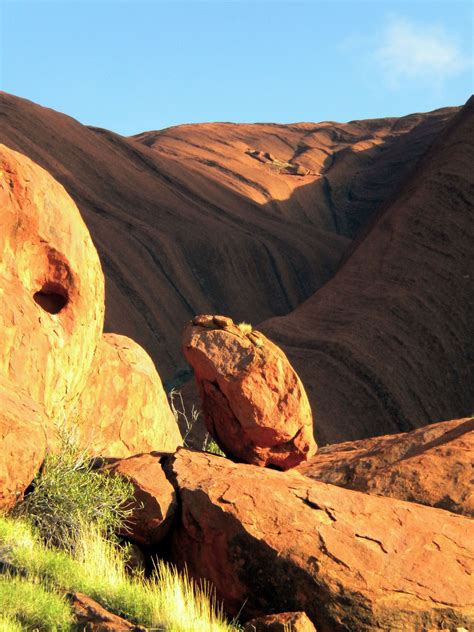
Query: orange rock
[(93, 617), (254, 404), (154, 494), (281, 622), (123, 408), (430, 465), (273, 541), (22, 443), (51, 286)]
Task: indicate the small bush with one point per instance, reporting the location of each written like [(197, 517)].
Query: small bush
[(188, 422), (183, 420), (67, 494)]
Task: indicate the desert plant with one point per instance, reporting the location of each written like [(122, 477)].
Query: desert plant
[(210, 445), (68, 493), (29, 605), (187, 421), (8, 623), (183, 419), (245, 328), (168, 600)]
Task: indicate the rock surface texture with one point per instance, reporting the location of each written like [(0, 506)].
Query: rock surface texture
[(154, 495), (281, 622), (165, 206), (433, 465), (51, 286), (253, 402), (91, 616), (54, 360), (22, 443), (125, 398), (273, 541), (387, 344)]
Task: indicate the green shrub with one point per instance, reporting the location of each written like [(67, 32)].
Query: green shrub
[(186, 421), (68, 493)]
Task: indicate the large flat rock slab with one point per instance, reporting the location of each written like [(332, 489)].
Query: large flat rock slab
[(273, 541), (433, 465)]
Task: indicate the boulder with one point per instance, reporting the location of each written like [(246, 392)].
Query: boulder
[(273, 541), (51, 286), (253, 402), (281, 622), (93, 617), (22, 443), (431, 465), (154, 495), (123, 409)]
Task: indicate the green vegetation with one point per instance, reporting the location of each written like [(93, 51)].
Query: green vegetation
[(188, 422), (245, 328), (61, 538), (25, 603), (68, 494), (97, 568)]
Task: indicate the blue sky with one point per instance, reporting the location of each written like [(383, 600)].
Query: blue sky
[(132, 66)]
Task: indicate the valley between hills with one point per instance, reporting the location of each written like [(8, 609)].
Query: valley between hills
[(309, 287)]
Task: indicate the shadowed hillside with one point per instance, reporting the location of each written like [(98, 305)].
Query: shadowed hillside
[(387, 344), (214, 217)]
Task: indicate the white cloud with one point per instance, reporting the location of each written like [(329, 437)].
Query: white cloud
[(418, 52)]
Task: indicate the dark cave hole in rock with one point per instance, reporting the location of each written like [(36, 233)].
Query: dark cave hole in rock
[(52, 297)]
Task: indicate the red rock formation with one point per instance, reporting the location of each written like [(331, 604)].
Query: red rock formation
[(273, 541), (22, 443), (253, 402), (91, 616), (51, 321), (432, 465), (183, 216), (123, 408), (154, 495), (51, 286), (387, 344), (282, 622)]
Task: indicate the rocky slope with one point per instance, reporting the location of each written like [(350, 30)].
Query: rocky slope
[(245, 220), (387, 345)]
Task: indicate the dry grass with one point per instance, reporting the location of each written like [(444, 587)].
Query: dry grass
[(97, 568)]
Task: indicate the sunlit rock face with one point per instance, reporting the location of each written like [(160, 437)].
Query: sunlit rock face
[(51, 286), (123, 409), (22, 443), (51, 321), (254, 403)]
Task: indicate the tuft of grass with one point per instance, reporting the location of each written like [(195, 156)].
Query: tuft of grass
[(67, 493), (97, 568), (245, 328), (210, 445), (9, 624), (25, 604)]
